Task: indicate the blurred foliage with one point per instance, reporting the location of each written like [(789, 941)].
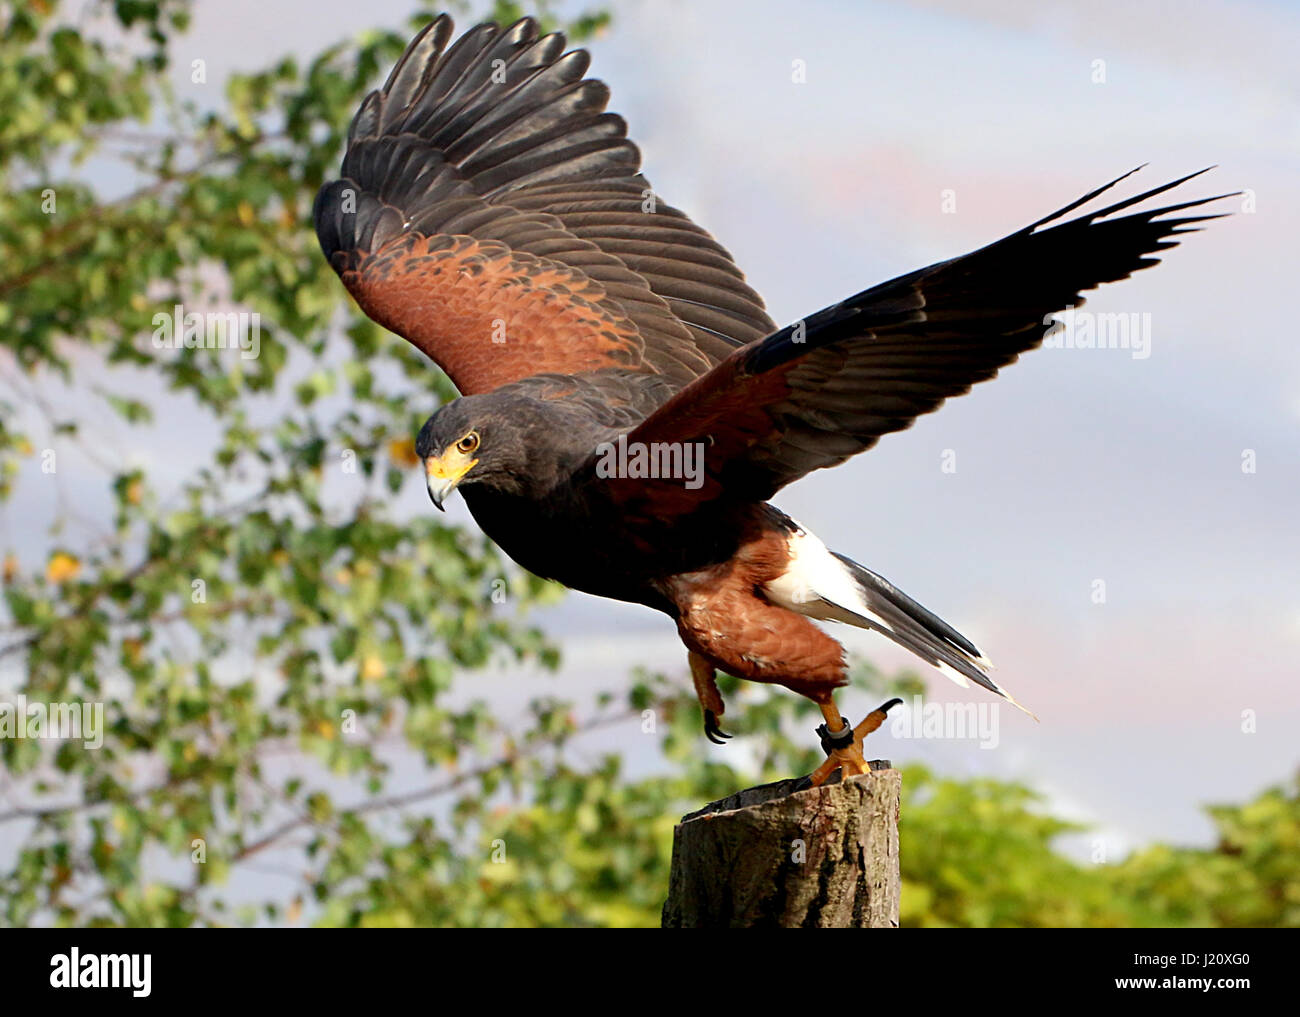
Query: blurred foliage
[(267, 638)]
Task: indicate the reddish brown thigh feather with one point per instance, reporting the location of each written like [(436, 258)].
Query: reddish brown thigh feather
[(723, 617)]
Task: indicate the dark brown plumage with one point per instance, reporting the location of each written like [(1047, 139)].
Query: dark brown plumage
[(492, 212)]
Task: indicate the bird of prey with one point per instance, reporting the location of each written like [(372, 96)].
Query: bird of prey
[(627, 405)]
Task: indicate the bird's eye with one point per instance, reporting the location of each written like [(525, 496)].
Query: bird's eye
[(468, 443)]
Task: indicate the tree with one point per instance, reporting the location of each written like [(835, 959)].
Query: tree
[(278, 547)]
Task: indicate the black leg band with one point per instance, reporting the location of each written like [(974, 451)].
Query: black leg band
[(841, 739)]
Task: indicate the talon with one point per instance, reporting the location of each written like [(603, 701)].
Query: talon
[(874, 719), (714, 733), (849, 760), (843, 747)]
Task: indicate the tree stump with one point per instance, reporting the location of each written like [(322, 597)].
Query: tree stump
[(776, 857)]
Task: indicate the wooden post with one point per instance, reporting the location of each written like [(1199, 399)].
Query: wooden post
[(773, 856)]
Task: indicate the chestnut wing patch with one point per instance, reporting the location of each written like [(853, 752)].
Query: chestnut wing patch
[(489, 315), (501, 137)]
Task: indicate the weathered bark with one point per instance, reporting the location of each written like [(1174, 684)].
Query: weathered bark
[(773, 857)]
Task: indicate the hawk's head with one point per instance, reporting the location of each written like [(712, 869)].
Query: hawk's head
[(500, 440)]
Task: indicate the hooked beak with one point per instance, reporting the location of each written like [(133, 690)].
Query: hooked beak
[(442, 480)]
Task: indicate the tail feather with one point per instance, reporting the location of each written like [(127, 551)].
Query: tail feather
[(915, 628), (819, 583), (873, 583)]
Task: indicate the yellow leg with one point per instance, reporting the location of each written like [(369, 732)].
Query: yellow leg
[(849, 758)]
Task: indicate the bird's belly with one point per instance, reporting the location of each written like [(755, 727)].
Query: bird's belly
[(579, 554)]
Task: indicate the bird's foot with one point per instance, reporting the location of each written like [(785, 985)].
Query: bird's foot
[(712, 732), (843, 747), (706, 688)]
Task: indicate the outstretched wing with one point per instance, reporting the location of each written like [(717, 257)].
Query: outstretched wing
[(822, 390), (492, 213)]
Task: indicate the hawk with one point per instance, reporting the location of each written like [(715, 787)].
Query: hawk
[(627, 405)]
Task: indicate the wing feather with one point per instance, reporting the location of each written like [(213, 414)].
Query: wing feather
[(486, 193), (814, 393)]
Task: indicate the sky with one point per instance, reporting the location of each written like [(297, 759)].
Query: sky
[(920, 131)]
